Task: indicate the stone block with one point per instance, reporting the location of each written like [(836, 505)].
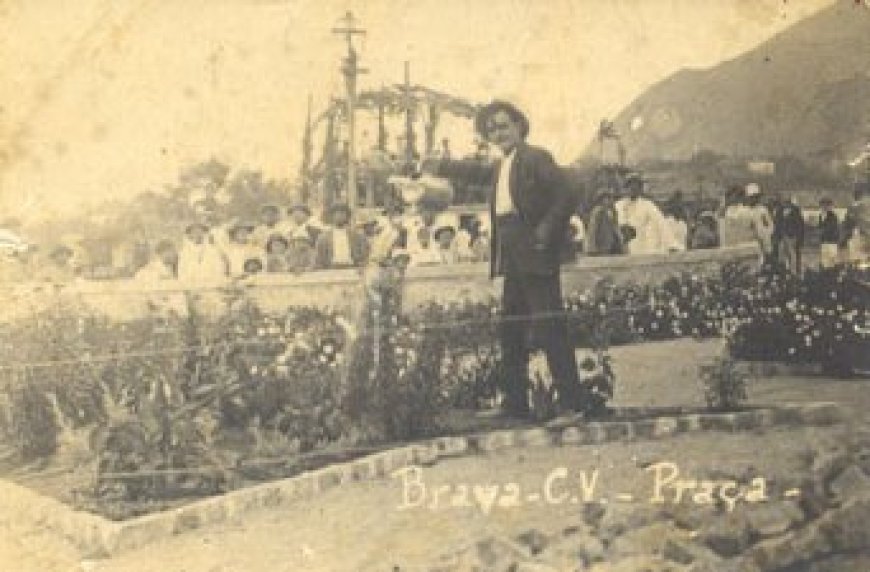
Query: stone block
[(718, 421), (425, 454), (575, 436), (538, 437), (324, 479), (186, 519), (645, 428), (142, 531), (596, 433), (618, 431), (299, 487), (689, 424), (666, 426), (451, 446), (400, 458), (380, 464), (497, 440)]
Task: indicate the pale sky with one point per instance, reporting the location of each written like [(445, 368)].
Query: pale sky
[(103, 99)]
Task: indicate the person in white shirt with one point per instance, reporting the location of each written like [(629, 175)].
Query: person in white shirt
[(677, 232), (302, 226), (340, 246), (760, 222), (644, 217), (421, 250), (198, 259), (241, 248)]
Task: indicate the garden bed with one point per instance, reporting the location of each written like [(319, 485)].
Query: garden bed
[(135, 417)]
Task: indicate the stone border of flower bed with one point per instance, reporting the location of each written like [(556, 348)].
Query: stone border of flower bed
[(97, 536)]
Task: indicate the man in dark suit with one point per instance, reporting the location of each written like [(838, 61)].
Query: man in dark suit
[(530, 206)]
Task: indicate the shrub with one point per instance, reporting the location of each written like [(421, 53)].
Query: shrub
[(32, 424), (724, 384)]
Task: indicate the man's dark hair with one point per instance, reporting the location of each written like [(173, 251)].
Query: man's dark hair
[(481, 122)]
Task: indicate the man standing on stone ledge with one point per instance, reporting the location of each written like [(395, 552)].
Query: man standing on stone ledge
[(530, 206)]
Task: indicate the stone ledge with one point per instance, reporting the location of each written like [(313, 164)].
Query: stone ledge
[(96, 535)]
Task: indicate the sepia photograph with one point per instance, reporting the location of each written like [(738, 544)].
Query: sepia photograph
[(435, 286)]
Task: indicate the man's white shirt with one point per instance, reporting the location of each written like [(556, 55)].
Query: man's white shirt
[(503, 202)]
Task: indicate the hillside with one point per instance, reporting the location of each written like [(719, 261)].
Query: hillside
[(804, 92)]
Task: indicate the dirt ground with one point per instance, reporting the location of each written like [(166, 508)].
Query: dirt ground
[(378, 525)]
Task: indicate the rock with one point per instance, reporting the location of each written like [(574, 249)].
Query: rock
[(620, 518), (726, 535), (593, 513), (683, 551), (770, 519), (490, 553), (846, 527), (841, 563), (499, 553), (733, 565), (637, 564), (534, 567), (574, 550), (775, 553), (650, 539), (690, 516), (534, 540), (851, 482), (828, 464)]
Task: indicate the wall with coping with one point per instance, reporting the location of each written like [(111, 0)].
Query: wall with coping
[(340, 290)]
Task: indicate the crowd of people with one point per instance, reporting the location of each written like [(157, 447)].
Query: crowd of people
[(292, 240), (779, 226)]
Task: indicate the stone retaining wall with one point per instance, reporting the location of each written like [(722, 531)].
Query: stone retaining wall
[(99, 536)]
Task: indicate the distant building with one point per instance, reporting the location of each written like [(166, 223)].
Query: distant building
[(761, 167)]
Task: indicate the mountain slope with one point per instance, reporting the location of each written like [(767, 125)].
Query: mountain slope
[(806, 91)]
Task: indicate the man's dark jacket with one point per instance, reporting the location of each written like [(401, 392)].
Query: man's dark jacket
[(544, 205)]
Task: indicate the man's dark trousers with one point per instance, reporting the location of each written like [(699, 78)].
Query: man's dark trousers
[(534, 319)]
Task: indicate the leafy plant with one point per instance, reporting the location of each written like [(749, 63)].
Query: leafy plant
[(724, 383)]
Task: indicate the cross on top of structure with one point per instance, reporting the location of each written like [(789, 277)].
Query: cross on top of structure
[(349, 29)]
